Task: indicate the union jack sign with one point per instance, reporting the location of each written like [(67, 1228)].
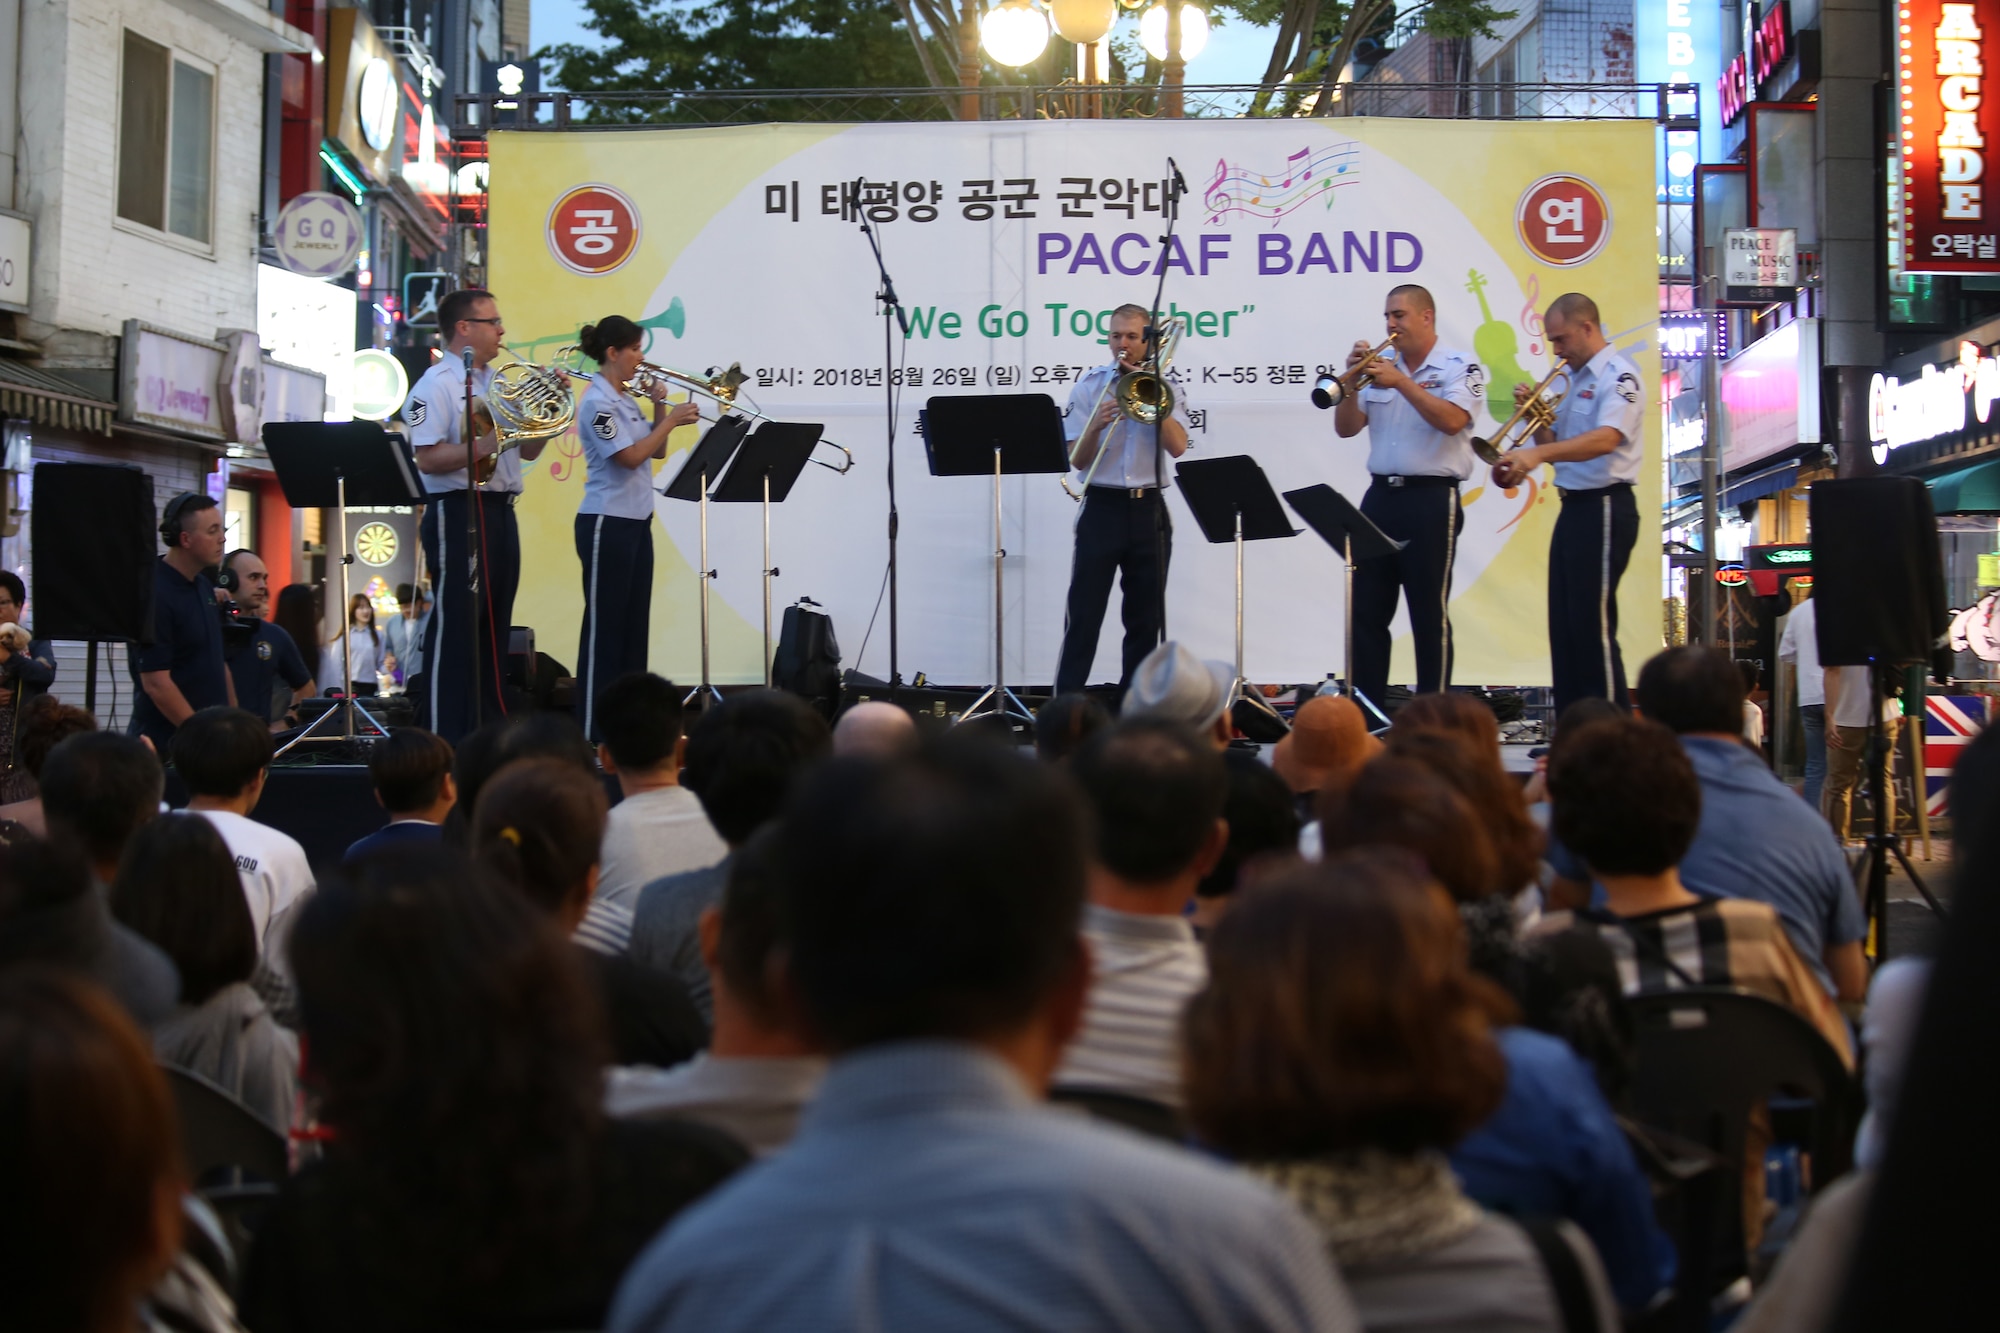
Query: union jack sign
[(1950, 723)]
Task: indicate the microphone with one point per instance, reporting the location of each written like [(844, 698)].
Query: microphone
[(466, 356), (1180, 181)]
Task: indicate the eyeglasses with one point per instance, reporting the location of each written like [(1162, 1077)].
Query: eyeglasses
[(469, 320)]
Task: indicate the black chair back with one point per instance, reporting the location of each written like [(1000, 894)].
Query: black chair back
[(1139, 1114), (218, 1132)]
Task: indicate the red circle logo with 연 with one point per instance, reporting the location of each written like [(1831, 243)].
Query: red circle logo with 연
[(593, 230), (1563, 220)]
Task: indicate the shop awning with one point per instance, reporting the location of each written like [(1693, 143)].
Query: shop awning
[(36, 395), (1762, 484), (1974, 489)]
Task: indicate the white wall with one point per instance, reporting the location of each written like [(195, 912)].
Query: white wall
[(93, 272)]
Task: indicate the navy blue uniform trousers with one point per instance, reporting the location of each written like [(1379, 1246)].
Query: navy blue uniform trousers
[(617, 557), (447, 694), (1587, 556), (1423, 512), (1129, 537)]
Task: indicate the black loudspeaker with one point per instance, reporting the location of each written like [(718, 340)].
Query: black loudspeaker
[(1878, 572), (95, 540)]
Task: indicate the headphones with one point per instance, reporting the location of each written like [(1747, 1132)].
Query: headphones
[(170, 520)]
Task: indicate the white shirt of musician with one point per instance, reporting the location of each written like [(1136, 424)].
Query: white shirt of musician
[(1606, 392), (1128, 447), (432, 413), (1400, 442)]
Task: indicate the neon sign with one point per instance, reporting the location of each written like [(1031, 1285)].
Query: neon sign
[(1934, 404), (1768, 48)]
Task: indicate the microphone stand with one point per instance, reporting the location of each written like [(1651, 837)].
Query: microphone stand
[(891, 306), (1175, 189)]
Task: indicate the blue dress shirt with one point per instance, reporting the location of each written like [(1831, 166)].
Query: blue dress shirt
[(927, 1190), (1553, 1150), (1606, 392)]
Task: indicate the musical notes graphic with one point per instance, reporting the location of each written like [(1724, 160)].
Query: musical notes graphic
[(1531, 315), (1265, 195)]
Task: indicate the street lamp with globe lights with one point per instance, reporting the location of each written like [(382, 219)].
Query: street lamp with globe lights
[(1014, 32)]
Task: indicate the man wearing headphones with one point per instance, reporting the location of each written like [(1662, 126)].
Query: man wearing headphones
[(183, 669), (265, 655)]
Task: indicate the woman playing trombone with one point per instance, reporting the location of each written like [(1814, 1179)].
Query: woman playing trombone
[(614, 524)]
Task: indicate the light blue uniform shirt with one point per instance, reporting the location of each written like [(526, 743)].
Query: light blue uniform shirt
[(1400, 441), (927, 1190), (432, 413), (607, 420), (1127, 446), (1606, 392)]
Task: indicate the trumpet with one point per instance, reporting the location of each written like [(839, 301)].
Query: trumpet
[(1536, 412), (525, 401), (1143, 394), (1333, 390), (719, 386)]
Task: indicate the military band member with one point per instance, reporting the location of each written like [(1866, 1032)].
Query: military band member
[(467, 319), (1123, 530), (1418, 415), (1597, 451), (614, 524)]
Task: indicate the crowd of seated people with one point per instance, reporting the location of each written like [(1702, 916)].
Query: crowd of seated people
[(863, 1027)]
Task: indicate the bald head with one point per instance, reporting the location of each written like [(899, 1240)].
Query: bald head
[(875, 730)]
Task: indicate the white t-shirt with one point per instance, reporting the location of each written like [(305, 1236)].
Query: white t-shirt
[(654, 833), (1800, 644), (1851, 709), (276, 877)]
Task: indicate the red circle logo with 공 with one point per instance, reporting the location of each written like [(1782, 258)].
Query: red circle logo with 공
[(593, 229), (1563, 220)]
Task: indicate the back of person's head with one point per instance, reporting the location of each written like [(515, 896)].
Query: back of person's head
[(875, 727), (1624, 797), (1156, 790), (408, 769), (1690, 689), (751, 936), (296, 612), (46, 723), (1263, 823), (1474, 772), (1975, 785), (221, 750), (101, 786), (1398, 802), (1340, 1015), (52, 915), (1581, 713), (1459, 714), (178, 887), (933, 896), (540, 825), (89, 1158), (744, 754), (1327, 745), (1067, 721), (1173, 684), (639, 717), (1752, 673), (458, 1050), (523, 736)]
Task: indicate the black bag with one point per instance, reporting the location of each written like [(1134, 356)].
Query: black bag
[(808, 660)]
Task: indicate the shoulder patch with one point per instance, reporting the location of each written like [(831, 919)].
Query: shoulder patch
[(1475, 378), (263, 650), (1628, 387), (606, 426), (414, 413)]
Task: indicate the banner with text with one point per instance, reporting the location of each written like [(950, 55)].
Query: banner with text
[(1011, 244)]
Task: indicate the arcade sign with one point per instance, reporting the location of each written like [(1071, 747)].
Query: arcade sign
[(1950, 224), (1769, 47)]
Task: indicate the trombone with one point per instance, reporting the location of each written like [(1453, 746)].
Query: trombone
[(719, 386), (1144, 395), (1333, 390), (1536, 412)]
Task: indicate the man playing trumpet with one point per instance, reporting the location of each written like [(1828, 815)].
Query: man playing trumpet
[(1596, 449), (1417, 410)]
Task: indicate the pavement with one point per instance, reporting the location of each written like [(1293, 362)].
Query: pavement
[(1913, 927)]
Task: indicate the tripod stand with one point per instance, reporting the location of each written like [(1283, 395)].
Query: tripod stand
[(1881, 843), (763, 474), (1350, 532), (708, 458)]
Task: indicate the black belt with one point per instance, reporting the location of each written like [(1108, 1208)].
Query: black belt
[(1123, 492), (1612, 489), (1398, 481)]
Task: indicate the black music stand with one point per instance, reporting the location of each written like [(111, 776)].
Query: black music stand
[(324, 465), (1233, 501), (763, 473), (969, 435), (1351, 533), (709, 458)]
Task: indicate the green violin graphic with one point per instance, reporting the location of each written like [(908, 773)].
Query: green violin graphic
[(1496, 348)]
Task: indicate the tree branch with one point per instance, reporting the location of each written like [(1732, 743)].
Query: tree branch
[(917, 40)]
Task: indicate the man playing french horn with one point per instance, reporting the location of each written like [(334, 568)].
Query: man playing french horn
[(1417, 410), (468, 320), (1596, 450), (1123, 530)]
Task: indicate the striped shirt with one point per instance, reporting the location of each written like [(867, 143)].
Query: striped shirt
[(1143, 969), (1715, 942), (606, 928)]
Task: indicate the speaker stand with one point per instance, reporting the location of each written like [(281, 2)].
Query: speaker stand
[(1881, 843)]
